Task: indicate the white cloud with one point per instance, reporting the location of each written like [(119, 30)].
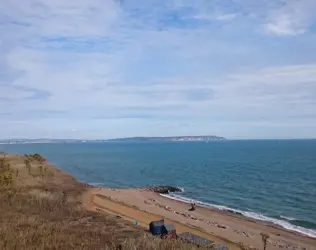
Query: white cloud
[(291, 18), (284, 26), (226, 17), (218, 17)]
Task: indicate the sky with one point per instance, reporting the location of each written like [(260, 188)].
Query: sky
[(98, 69)]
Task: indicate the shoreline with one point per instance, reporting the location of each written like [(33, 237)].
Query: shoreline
[(176, 196), (220, 225), (239, 213), (94, 200)]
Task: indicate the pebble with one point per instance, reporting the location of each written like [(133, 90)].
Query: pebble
[(167, 208), (221, 226)]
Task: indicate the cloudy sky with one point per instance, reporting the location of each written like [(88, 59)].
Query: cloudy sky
[(104, 69)]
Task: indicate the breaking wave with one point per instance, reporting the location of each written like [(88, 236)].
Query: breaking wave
[(96, 184)]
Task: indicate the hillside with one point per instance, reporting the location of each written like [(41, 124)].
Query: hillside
[(41, 208)]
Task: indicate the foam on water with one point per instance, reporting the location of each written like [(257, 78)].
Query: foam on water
[(96, 184), (288, 218), (253, 215)]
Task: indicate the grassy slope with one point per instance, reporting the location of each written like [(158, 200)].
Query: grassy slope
[(40, 208)]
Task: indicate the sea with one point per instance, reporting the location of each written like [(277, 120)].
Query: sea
[(268, 180)]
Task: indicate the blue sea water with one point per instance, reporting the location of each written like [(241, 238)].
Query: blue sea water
[(271, 180)]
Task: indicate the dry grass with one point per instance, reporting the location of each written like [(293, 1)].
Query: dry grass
[(151, 243), (40, 208)]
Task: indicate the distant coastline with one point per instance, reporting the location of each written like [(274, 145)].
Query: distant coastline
[(127, 139), (173, 138)]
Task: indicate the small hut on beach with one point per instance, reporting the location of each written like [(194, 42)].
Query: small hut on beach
[(169, 231), (219, 247), (194, 239), (157, 227)]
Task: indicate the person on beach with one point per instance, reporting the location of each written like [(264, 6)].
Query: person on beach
[(192, 208)]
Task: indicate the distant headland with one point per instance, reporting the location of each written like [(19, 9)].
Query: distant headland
[(173, 138), (127, 139)]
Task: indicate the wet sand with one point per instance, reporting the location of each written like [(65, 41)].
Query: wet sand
[(221, 227)]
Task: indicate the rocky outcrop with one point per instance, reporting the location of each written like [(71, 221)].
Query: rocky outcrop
[(36, 157), (165, 189)]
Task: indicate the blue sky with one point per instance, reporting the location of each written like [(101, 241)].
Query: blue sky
[(105, 69)]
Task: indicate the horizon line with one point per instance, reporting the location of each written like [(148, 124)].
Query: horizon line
[(135, 137)]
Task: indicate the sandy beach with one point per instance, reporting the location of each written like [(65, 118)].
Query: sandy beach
[(219, 226)]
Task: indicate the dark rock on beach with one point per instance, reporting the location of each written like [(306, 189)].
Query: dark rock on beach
[(234, 212), (164, 189)]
